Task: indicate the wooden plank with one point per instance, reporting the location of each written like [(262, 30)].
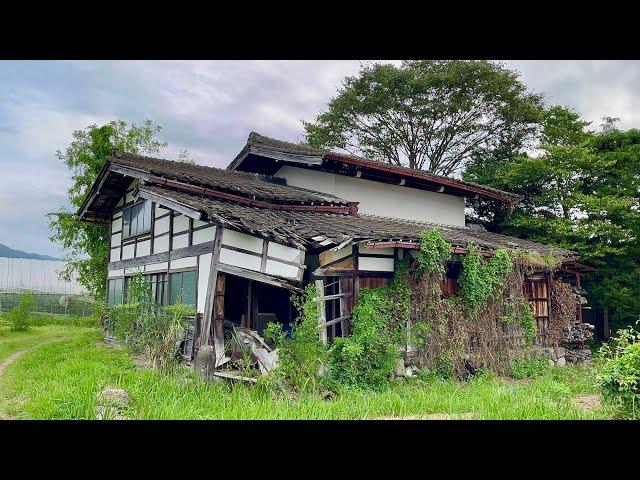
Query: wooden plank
[(213, 274), (334, 296), (263, 263), (340, 319), (343, 311), (321, 311), (231, 376), (172, 204), (257, 276)]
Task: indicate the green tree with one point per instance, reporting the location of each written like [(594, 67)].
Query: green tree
[(85, 245), (580, 191), (427, 115)]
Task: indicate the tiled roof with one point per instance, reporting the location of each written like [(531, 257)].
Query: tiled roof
[(300, 228), (251, 185)]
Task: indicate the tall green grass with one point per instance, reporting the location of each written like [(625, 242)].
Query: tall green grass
[(11, 342), (41, 320), (63, 380)]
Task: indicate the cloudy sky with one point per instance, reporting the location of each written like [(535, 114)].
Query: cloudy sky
[(209, 108)]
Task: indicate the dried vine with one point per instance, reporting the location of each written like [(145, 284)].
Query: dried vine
[(480, 326), (563, 311)]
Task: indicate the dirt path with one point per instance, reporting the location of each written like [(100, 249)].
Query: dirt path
[(15, 356)]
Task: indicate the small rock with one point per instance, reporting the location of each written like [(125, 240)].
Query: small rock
[(111, 402), (561, 362), (400, 368), (560, 352), (408, 372), (551, 363), (114, 396)]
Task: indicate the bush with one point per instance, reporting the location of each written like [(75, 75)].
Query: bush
[(366, 359), (20, 314), (618, 376), (147, 327), (301, 356)]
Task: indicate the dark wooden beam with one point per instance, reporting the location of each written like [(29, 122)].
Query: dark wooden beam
[(210, 295), (257, 276), (191, 251)]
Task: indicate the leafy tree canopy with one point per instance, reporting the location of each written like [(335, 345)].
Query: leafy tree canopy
[(85, 245), (427, 115), (581, 191)]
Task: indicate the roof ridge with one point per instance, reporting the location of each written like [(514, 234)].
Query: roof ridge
[(268, 180)]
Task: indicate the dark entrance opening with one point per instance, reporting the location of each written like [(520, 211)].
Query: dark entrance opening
[(253, 305)]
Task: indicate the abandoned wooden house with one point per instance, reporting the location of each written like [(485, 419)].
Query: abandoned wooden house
[(236, 242)]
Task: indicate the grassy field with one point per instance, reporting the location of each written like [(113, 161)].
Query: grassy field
[(62, 381)]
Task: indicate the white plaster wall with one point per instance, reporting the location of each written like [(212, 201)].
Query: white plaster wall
[(204, 235), (185, 262), (381, 199), (376, 264)]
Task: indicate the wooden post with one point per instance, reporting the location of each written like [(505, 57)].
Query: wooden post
[(322, 319), (209, 300), (343, 307), (218, 319)]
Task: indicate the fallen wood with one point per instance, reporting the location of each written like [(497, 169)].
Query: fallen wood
[(231, 376), (254, 335), (266, 360)]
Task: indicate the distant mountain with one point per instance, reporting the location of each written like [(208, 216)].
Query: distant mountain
[(11, 253)]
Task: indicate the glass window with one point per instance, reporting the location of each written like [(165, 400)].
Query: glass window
[(183, 287), (136, 219), (114, 293), (159, 288)]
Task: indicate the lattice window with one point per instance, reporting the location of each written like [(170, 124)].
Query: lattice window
[(537, 292)]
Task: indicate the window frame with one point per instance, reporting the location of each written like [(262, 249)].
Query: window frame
[(111, 288), (171, 298), (127, 219)]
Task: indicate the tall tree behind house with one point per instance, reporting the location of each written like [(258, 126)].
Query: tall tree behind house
[(427, 115)]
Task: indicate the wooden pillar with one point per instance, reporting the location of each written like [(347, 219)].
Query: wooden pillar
[(322, 318), (246, 318), (209, 300), (218, 317), (356, 277)]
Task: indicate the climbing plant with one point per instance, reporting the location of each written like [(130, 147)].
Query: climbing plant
[(480, 279), (434, 252), (367, 357), (480, 325)]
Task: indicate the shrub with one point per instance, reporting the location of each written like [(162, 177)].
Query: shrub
[(618, 376), (21, 313), (147, 327), (301, 355), (367, 358)]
